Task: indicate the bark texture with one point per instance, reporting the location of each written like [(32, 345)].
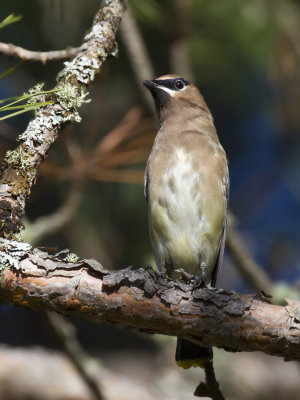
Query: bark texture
[(141, 299)]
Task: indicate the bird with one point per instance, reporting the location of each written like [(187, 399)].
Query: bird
[(186, 186)]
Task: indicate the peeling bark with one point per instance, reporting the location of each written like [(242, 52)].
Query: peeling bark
[(143, 300)]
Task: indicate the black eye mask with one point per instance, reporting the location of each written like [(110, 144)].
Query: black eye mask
[(171, 83)]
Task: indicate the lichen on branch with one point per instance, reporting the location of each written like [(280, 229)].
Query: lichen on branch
[(20, 166)]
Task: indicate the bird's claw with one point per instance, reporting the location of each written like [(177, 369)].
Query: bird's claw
[(199, 282)]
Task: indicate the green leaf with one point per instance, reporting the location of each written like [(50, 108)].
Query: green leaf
[(10, 20)]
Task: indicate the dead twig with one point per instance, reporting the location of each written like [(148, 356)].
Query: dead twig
[(137, 54), (48, 224), (65, 331), (179, 55), (12, 50), (245, 264)]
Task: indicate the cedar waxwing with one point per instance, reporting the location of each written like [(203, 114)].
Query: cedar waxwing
[(186, 187)]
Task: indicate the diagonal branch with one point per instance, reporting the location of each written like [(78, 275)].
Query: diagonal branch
[(65, 332), (48, 224), (19, 169), (138, 54), (141, 299), (247, 266)]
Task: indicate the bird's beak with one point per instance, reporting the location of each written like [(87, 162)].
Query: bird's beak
[(161, 97), (150, 84)]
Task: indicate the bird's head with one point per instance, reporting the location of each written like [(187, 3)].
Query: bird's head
[(173, 94)]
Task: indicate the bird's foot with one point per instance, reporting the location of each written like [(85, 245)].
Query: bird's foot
[(203, 268), (199, 282), (159, 274), (149, 268)]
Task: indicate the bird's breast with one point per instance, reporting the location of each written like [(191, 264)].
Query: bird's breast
[(186, 209)]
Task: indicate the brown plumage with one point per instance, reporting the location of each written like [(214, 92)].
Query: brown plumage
[(186, 184)]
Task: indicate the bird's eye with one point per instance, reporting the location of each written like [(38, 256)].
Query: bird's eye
[(179, 85)]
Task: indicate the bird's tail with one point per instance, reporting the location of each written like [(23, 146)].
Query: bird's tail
[(189, 354)]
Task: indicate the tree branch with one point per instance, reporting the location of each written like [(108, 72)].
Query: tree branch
[(143, 300), (12, 50), (20, 166)]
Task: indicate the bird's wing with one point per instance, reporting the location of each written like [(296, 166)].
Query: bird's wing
[(223, 237)]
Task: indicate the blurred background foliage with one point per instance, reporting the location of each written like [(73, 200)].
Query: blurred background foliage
[(245, 58)]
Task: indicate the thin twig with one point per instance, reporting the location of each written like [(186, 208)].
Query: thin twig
[(42, 56), (128, 127), (66, 333), (179, 54), (245, 263), (137, 54), (48, 224)]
